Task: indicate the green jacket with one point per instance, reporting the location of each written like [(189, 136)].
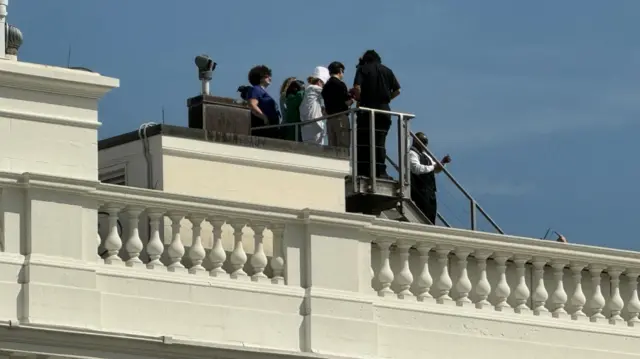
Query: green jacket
[(292, 115)]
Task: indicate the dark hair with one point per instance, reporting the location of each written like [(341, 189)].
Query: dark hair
[(257, 73), (335, 68), (244, 92), (370, 56), (295, 86), (423, 138)]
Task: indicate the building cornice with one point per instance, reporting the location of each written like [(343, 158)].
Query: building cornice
[(56, 80)]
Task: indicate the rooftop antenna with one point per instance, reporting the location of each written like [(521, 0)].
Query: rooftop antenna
[(163, 115), (69, 57), (206, 66)]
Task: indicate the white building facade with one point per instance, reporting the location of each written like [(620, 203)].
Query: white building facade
[(231, 256)]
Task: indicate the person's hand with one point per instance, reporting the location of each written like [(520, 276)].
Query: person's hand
[(446, 159), (266, 120)]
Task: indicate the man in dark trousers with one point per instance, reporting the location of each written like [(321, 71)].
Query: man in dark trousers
[(375, 86), (337, 99), (423, 177)]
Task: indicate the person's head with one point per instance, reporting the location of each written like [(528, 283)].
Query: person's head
[(369, 57), (285, 85), (291, 86), (422, 137), (260, 75), (319, 77), (336, 69)]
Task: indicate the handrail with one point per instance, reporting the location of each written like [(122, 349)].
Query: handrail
[(473, 203), (438, 214), (325, 117)]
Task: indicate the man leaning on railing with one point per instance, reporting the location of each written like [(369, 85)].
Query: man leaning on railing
[(423, 177)]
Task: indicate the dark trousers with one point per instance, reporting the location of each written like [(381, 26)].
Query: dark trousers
[(382, 124), (274, 132), (338, 129), (427, 202)]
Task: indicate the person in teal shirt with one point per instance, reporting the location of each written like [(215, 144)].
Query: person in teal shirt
[(291, 94)]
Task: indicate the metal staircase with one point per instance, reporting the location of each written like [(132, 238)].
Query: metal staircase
[(391, 199)]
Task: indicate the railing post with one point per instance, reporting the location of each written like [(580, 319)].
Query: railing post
[(402, 153), (372, 149), (354, 151), (407, 165), (473, 214)]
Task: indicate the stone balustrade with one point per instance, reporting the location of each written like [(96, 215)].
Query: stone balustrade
[(297, 280), (527, 277)]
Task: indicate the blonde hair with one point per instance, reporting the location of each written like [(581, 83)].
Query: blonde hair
[(285, 85), (313, 80)]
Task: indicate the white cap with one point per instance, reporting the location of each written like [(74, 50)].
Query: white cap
[(321, 73)]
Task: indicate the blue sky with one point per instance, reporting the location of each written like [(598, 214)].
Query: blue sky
[(536, 101)]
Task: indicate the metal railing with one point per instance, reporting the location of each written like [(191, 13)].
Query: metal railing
[(404, 173), (403, 135), (473, 204)]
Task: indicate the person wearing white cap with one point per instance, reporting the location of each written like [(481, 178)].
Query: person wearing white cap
[(312, 107)]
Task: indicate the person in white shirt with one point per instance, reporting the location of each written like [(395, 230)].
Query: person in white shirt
[(423, 177), (312, 107)]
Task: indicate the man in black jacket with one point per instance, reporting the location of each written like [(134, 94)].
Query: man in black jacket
[(337, 99), (423, 177), (375, 86)]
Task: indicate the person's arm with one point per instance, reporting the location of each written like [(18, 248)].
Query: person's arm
[(357, 83), (253, 105), (395, 85), (344, 93), (416, 167)]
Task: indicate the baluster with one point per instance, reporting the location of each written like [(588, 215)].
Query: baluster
[(444, 283), (217, 256), (633, 305), (259, 259), (540, 294), (424, 280), (559, 295), (134, 244), (404, 279), (113, 242), (616, 303), (155, 247), (483, 287), (597, 299), (176, 247), (463, 284), (578, 299), (196, 252), (385, 275), (98, 243), (502, 290), (521, 292), (238, 256), (277, 260)]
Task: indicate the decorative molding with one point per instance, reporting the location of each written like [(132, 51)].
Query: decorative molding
[(48, 118), (506, 317), (85, 343), (254, 162)]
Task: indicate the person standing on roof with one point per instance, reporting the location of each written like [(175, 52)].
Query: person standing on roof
[(337, 99), (423, 176), (264, 109), (375, 87), (291, 95), (312, 107)]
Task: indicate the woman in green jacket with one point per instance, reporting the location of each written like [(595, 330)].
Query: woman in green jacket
[(291, 94)]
